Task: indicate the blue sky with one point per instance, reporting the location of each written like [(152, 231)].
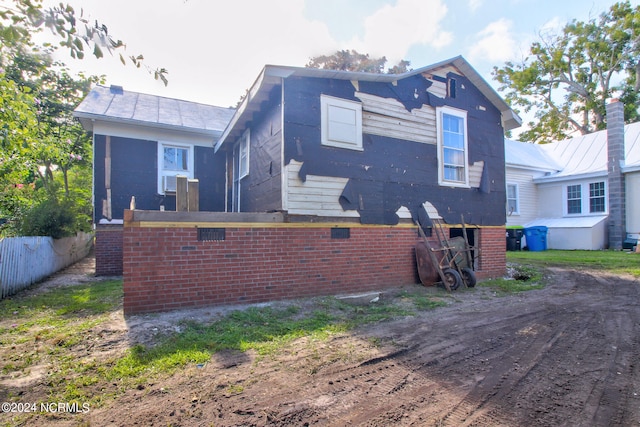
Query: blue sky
[(214, 49)]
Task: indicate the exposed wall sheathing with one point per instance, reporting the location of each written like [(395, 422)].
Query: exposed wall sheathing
[(398, 166), (134, 172), (260, 191)]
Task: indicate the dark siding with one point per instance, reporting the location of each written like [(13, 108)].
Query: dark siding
[(134, 172), (209, 170), (390, 173), (99, 190), (261, 189)]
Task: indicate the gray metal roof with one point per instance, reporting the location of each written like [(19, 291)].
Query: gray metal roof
[(272, 75), (582, 156), (113, 104)]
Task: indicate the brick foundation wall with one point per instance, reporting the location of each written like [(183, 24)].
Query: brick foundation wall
[(108, 250), (493, 253), (167, 268)]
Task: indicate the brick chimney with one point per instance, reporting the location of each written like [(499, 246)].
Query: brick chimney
[(615, 151)]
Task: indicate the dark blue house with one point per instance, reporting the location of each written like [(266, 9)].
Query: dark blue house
[(140, 144), (370, 147)]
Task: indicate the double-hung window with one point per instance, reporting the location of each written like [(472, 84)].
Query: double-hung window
[(341, 123), (596, 197), (240, 166), (586, 198), (452, 147), (574, 199), (173, 160)]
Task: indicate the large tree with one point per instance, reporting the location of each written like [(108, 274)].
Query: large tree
[(352, 60), (45, 162), (19, 19), (568, 77)]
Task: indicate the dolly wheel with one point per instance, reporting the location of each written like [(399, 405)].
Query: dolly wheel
[(468, 276), (453, 278)]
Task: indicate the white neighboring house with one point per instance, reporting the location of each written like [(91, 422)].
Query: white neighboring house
[(565, 186)]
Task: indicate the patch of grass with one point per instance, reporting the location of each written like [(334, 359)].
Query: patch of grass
[(43, 329), (615, 262), (266, 330), (521, 278)]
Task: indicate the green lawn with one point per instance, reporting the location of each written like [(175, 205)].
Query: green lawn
[(616, 262)]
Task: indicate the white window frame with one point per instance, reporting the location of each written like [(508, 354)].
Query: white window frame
[(604, 197), (517, 198), (440, 112), (585, 198), (241, 163), (162, 172), (330, 130)]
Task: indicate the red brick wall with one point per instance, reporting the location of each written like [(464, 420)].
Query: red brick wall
[(168, 268), (108, 250), (493, 253)]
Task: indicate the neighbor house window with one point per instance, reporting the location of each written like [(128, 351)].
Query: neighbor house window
[(341, 123), (586, 198), (512, 199), (173, 160), (596, 197), (452, 147), (574, 199)]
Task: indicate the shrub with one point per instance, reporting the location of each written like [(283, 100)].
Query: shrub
[(49, 217)]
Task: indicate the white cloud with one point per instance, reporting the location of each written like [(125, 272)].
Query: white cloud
[(495, 43), (475, 4), (213, 50), (393, 29)]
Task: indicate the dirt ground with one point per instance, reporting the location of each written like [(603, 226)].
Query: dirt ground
[(564, 355)]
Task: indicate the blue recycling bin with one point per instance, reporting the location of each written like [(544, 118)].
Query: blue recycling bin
[(536, 238)]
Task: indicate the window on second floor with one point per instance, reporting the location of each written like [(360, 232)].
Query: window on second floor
[(452, 147), (341, 123)]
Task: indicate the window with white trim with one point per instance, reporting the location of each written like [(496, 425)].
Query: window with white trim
[(452, 147), (341, 123), (512, 199), (596, 197), (574, 199), (173, 160), (586, 198), (241, 153)]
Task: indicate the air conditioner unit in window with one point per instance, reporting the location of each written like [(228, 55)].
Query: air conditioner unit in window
[(169, 183)]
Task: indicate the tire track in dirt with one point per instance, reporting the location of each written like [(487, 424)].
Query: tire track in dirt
[(518, 347), (565, 355)]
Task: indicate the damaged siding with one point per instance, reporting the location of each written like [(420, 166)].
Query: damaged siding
[(388, 117), (316, 195), (397, 170)]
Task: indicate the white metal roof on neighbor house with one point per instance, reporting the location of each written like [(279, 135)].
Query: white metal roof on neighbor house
[(583, 156), (113, 104), (529, 156)]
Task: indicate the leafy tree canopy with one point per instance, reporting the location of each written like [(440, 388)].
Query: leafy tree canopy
[(351, 60), (19, 19), (568, 77), (45, 155)]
